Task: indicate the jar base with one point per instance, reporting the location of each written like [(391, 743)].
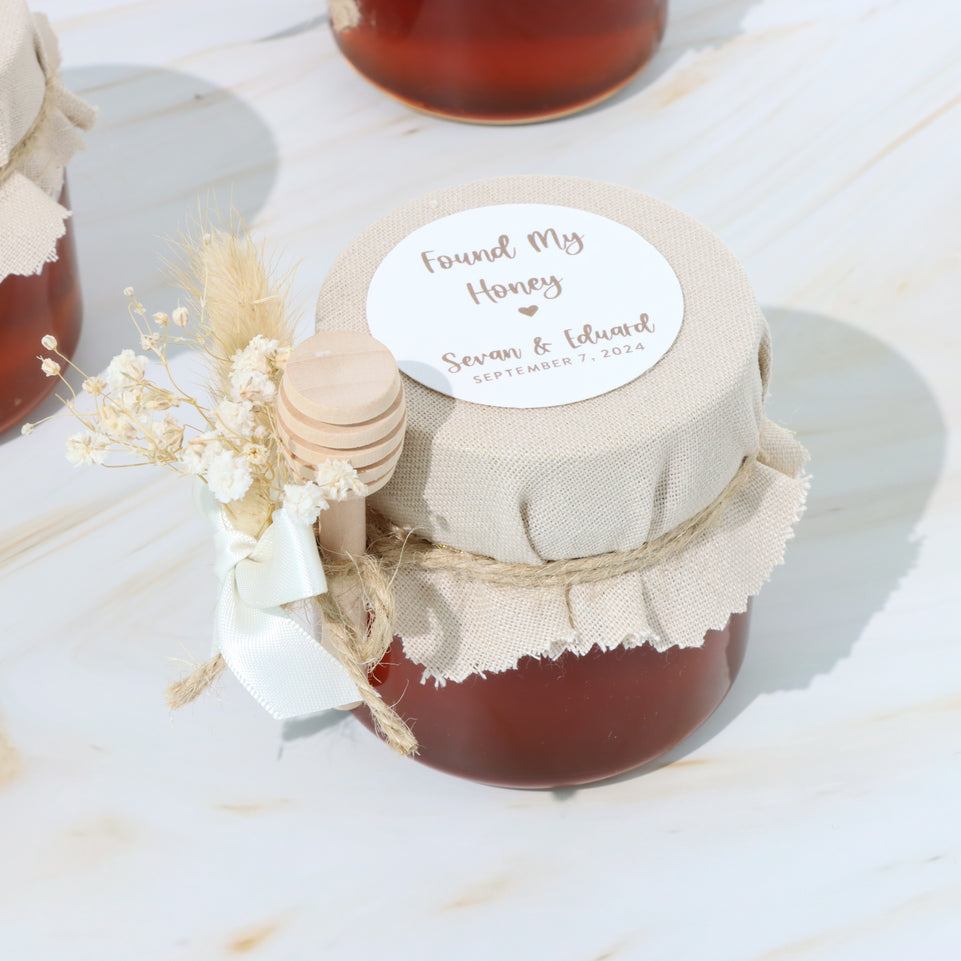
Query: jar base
[(564, 722), (501, 120)]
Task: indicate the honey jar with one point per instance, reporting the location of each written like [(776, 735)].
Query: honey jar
[(40, 124), (589, 493), (499, 61)]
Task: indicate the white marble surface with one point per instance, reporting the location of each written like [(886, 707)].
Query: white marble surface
[(814, 817)]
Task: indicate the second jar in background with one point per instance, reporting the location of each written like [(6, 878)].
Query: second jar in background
[(499, 61)]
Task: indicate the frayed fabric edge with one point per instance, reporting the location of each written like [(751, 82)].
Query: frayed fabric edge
[(714, 617)]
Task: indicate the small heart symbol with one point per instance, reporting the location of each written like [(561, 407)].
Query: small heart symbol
[(530, 311)]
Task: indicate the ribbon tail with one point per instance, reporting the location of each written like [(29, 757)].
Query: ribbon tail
[(283, 667)]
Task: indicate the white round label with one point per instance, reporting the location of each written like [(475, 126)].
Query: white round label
[(525, 305)]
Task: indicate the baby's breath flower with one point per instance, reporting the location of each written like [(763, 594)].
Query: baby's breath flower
[(134, 398), (304, 501), (228, 476), (192, 456), (27, 428), (160, 319), (49, 366), (49, 342), (149, 341), (256, 454), (236, 416), (128, 291), (95, 386), (116, 423), (257, 355), (168, 434), (180, 316), (253, 386), (199, 451), (87, 448), (337, 480), (127, 370), (160, 399)]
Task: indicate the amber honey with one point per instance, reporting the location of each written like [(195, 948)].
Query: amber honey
[(551, 723), (503, 61), (30, 307)]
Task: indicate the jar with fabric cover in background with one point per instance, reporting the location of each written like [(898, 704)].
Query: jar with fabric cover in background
[(40, 130)]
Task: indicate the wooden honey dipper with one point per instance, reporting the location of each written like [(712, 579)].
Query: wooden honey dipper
[(341, 398)]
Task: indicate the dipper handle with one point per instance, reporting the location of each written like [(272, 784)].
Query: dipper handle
[(341, 398)]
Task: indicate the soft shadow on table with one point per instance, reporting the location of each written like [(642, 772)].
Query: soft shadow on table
[(301, 727), (877, 442), (166, 146), (691, 24)]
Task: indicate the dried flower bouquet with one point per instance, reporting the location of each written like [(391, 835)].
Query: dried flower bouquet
[(239, 320), (136, 413)]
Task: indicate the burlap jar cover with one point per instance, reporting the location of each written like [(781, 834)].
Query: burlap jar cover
[(40, 130), (685, 448)]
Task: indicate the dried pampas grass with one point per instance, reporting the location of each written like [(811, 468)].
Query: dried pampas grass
[(236, 295), (235, 292)]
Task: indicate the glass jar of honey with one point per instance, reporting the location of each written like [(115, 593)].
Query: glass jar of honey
[(574, 720), (499, 61), (31, 307), (589, 492), (40, 124)]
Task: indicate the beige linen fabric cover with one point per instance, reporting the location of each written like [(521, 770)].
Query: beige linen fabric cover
[(605, 474), (31, 219)]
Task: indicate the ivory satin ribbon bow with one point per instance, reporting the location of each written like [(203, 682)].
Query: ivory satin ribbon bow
[(286, 670)]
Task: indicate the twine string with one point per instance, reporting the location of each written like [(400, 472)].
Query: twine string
[(25, 146), (400, 547), (360, 647)]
